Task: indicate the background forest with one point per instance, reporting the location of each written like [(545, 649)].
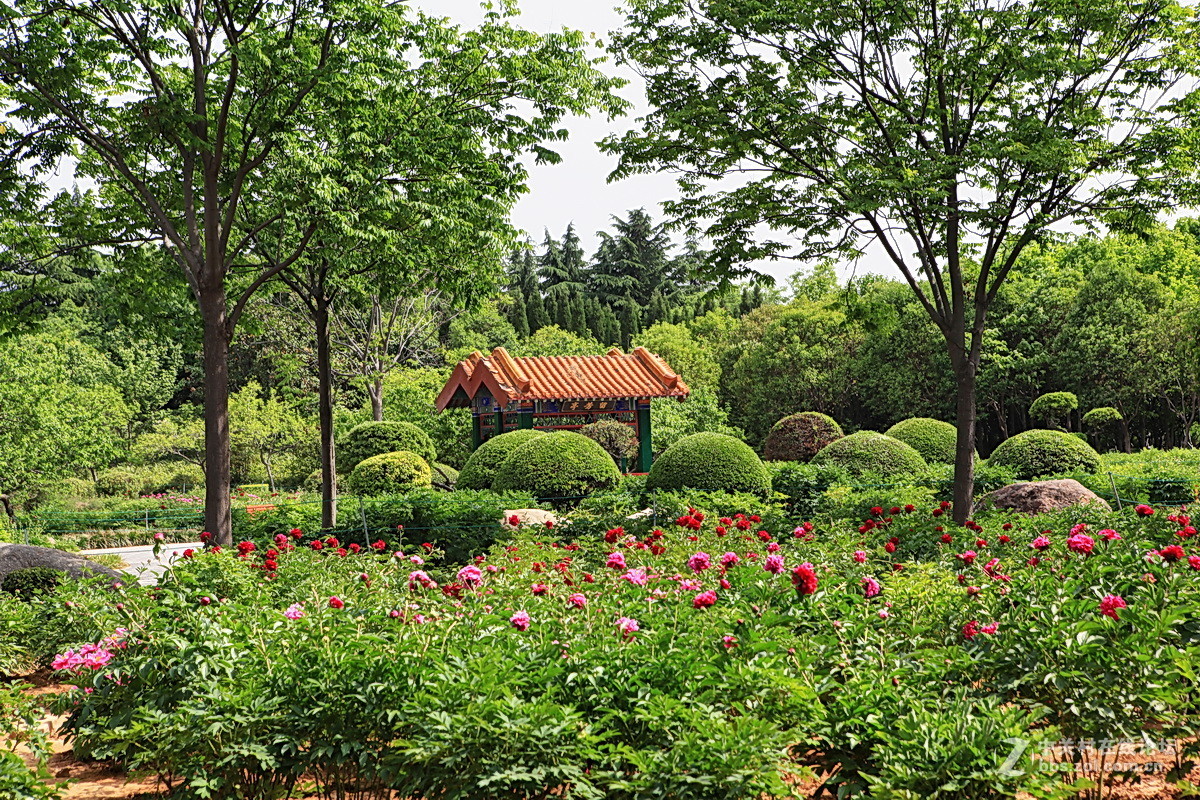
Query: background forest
[(103, 383)]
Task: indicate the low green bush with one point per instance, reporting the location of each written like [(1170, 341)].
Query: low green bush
[(1038, 453), (935, 440), (388, 473), (118, 481), (709, 462), (868, 453), (617, 438), (803, 485), (1054, 408), (800, 436), (558, 466), (31, 581), (480, 470), (375, 438)]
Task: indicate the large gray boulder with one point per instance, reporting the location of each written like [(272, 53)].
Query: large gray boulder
[(1037, 497), (22, 556)]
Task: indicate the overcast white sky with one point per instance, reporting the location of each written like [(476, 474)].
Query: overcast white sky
[(577, 189)]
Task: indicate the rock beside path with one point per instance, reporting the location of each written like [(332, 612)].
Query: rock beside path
[(23, 556), (529, 516), (1038, 497)]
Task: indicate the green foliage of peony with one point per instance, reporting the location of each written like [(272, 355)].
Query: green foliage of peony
[(1036, 453), (800, 436), (874, 453), (480, 470), (933, 439), (560, 465), (388, 473), (369, 439), (709, 462)]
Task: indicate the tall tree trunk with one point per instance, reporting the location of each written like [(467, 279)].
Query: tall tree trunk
[(375, 390), (8, 509), (217, 518), (266, 462), (325, 413), (964, 451)]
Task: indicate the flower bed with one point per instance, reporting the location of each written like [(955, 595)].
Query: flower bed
[(713, 657)]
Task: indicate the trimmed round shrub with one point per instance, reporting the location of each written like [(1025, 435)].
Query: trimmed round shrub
[(799, 437), (1099, 417), (1035, 453), (710, 462), (560, 465), (872, 452), (118, 481), (31, 581), (617, 438), (375, 438), (389, 473), (445, 477), (1054, 406), (480, 470), (935, 440)]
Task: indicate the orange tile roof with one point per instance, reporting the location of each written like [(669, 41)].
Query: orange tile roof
[(636, 374)]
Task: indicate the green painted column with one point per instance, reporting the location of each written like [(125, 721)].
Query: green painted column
[(476, 432), (525, 420), (646, 453), (499, 422)]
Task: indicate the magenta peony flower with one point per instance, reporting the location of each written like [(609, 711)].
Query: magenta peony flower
[(520, 620), (470, 575), (699, 562), (577, 600), (870, 587), (1111, 604), (730, 560), (729, 642), (1081, 543), (616, 561), (636, 576), (335, 602), (705, 599), (1109, 535), (860, 556), (1040, 543)]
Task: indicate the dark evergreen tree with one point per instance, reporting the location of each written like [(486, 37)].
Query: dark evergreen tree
[(518, 315), (535, 311)]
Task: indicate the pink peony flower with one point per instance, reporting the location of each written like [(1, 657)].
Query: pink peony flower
[(990, 628), (520, 620), (870, 587), (1194, 562), (729, 642), (1111, 604), (730, 560), (577, 600), (539, 589), (628, 627), (970, 630), (704, 599), (294, 611), (774, 564), (616, 561), (470, 575), (860, 556), (636, 576), (1109, 535), (699, 562), (1040, 543)]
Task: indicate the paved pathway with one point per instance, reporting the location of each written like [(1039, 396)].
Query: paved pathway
[(140, 559)]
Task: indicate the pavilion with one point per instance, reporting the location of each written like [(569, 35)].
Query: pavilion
[(556, 393)]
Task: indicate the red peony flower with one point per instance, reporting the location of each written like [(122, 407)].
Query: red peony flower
[(1171, 553), (704, 599), (804, 578), (335, 602), (1111, 604)]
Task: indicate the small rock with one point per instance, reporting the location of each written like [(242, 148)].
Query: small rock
[(1037, 497), (529, 516)]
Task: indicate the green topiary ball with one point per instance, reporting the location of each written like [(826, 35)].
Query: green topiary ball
[(710, 462), (389, 473), (480, 470), (869, 451), (373, 438), (799, 437), (554, 466), (445, 477), (1036, 453), (935, 440)]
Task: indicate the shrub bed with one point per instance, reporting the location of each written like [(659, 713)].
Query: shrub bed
[(376, 438), (388, 473), (935, 440), (480, 470)]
